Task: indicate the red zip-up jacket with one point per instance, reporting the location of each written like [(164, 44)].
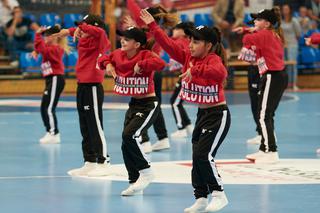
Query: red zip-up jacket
[(268, 46), (315, 38), (52, 62), (126, 83), (89, 49), (208, 73)]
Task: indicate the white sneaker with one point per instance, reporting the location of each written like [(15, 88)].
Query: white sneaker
[(83, 171), (267, 158), (255, 155), (130, 191), (318, 151), (189, 129), (101, 169), (161, 144), (219, 200), (255, 140), (145, 178), (50, 138), (44, 137), (199, 206), (14, 63), (146, 147), (181, 133)]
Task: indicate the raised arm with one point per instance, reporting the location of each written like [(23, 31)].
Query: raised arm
[(39, 45), (134, 8), (253, 39), (163, 39), (91, 30)]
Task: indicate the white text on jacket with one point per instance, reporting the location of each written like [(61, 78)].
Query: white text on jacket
[(131, 85), (200, 94)]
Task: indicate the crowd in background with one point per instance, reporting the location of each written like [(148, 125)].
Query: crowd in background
[(299, 17)]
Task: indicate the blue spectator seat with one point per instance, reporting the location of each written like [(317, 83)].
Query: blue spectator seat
[(309, 55), (246, 19), (29, 64), (49, 19), (184, 17), (31, 17), (69, 19), (70, 61), (199, 19), (71, 43), (208, 18)]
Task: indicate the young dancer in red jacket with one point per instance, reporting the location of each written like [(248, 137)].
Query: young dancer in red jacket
[(265, 45), (92, 43), (204, 74), (133, 68), (52, 50)]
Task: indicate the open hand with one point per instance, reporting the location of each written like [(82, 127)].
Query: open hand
[(186, 76), (61, 34), (308, 41), (34, 55), (146, 17), (137, 69), (128, 22), (41, 29), (111, 71), (77, 34)]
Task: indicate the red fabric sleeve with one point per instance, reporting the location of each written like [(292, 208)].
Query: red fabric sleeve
[(315, 38), (151, 63), (212, 70), (103, 61), (92, 30), (254, 39), (135, 11), (246, 30), (167, 43), (71, 31), (100, 34), (39, 44)]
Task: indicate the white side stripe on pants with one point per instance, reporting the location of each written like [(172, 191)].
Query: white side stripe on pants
[(96, 114), (263, 112), (177, 112), (52, 97), (214, 145), (137, 134)]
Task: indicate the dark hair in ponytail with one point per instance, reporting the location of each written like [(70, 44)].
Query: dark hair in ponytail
[(277, 28), (163, 17), (218, 47), (149, 45)]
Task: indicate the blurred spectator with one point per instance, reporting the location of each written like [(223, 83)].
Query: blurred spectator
[(292, 32), (18, 36), (228, 14), (304, 20), (167, 4), (314, 9), (294, 4), (6, 8)]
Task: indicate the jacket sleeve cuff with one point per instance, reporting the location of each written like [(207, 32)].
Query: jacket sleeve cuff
[(153, 25)]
